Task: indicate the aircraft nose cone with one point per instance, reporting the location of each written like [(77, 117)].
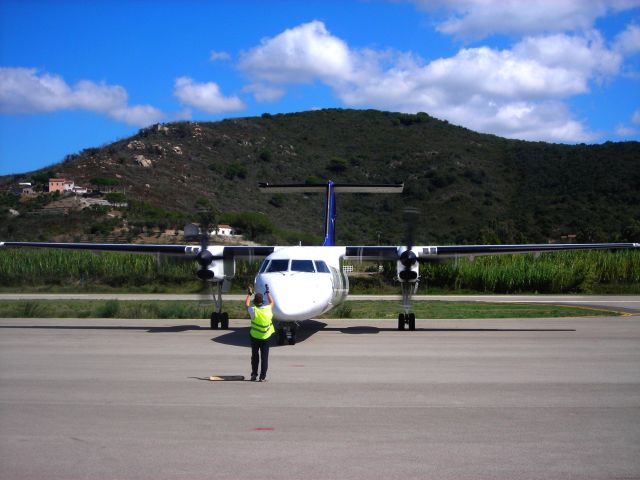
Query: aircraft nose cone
[(287, 302), (293, 297)]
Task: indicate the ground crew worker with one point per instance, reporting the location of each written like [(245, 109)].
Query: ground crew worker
[(260, 332)]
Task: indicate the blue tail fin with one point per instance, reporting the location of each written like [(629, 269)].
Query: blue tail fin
[(330, 189), (330, 217)]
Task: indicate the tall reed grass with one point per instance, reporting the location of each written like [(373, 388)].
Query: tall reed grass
[(558, 272), (61, 267)]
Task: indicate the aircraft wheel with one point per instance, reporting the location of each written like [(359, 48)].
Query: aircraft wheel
[(292, 339), (401, 321), (224, 321), (280, 337), (215, 318), (411, 318)]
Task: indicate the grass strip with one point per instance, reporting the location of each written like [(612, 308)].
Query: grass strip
[(354, 309)]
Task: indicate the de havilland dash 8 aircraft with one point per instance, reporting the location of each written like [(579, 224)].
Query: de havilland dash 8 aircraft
[(307, 281)]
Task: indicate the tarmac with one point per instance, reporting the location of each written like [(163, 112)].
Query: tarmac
[(456, 399)]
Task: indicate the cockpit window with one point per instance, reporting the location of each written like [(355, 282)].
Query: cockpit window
[(302, 266), (321, 266), (278, 266), (263, 267)]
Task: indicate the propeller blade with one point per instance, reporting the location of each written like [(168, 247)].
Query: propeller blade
[(206, 295), (408, 259), (410, 219)]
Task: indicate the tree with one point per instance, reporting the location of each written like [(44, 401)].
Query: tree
[(235, 169), (265, 155), (337, 165), (253, 224)]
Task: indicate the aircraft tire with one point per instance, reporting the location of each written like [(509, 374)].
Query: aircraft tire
[(412, 321), (214, 321), (281, 336), (224, 321), (401, 321)]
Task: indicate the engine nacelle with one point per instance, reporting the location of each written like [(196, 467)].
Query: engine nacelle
[(407, 266), (222, 270), (213, 267)]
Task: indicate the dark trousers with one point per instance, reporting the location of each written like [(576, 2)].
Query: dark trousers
[(259, 350)]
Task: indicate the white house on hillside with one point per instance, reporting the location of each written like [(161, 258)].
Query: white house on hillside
[(224, 230)]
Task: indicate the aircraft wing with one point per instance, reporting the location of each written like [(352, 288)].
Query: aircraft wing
[(227, 252), (441, 252)]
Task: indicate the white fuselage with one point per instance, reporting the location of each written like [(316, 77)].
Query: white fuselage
[(304, 281)]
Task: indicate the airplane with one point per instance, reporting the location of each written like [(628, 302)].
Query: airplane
[(307, 281)]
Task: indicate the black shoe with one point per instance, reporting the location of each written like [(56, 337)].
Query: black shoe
[(253, 378), (262, 380)]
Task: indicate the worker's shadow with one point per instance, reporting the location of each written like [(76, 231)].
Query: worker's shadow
[(239, 337)]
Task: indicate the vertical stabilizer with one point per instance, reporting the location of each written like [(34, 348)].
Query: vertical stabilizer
[(330, 217)]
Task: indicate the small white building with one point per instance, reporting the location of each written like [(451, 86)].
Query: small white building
[(224, 230)]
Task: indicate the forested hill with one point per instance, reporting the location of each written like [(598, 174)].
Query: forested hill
[(469, 187)]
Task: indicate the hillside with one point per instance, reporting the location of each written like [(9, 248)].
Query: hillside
[(469, 187)]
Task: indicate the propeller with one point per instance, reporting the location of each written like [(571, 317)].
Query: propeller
[(205, 258), (408, 258)]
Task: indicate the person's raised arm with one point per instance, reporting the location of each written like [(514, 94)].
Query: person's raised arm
[(247, 301), (268, 294)]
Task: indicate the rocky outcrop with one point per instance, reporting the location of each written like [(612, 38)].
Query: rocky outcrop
[(143, 161)]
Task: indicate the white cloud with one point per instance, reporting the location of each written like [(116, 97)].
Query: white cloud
[(205, 96), (585, 55), (140, 115), (184, 114), (474, 19), (218, 55), (635, 118), (265, 92), (24, 90), (503, 74), (628, 41), (517, 92), (624, 131), (546, 120), (299, 55)]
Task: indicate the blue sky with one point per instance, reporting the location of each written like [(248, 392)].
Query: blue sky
[(77, 74)]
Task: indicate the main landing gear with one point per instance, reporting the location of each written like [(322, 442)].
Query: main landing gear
[(219, 318), (286, 331), (407, 319)]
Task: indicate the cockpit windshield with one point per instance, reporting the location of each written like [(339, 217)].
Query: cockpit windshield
[(322, 267), (282, 265), (302, 266), (278, 266)]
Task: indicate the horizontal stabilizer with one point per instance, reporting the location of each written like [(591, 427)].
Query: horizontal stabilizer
[(337, 188)]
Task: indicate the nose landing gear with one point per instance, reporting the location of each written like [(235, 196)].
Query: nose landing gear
[(286, 332)]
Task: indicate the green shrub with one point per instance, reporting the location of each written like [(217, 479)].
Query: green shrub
[(110, 309)]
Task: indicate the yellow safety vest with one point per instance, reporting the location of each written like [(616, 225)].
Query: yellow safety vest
[(261, 325)]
